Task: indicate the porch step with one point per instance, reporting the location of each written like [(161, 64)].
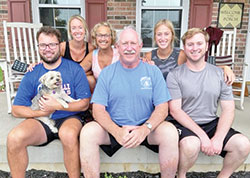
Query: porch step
[(50, 157)]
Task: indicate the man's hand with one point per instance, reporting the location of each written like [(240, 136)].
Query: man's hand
[(217, 145), (207, 146), (137, 135), (122, 135), (48, 103)]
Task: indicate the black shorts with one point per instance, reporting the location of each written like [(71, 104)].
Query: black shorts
[(115, 146), (209, 128), (58, 123)]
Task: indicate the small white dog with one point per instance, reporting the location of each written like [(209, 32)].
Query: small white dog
[(51, 85)]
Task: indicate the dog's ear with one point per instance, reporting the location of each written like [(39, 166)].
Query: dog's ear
[(42, 78)]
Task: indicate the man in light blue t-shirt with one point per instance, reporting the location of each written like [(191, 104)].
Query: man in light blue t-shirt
[(196, 87), (130, 104)]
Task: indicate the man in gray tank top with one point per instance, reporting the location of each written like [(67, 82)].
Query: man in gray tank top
[(196, 87)]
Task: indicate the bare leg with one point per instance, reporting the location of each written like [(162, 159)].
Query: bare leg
[(166, 136), (91, 137), (68, 134), (238, 148), (29, 132), (189, 148)]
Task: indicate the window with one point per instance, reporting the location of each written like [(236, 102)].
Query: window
[(56, 13), (149, 12)]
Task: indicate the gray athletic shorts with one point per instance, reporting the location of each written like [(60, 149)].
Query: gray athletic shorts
[(209, 128)]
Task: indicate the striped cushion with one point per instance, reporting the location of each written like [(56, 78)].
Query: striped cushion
[(224, 60)]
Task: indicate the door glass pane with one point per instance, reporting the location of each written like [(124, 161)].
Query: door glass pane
[(67, 2), (46, 16), (147, 37), (151, 17), (60, 2), (64, 35), (57, 18), (62, 16), (45, 1), (147, 20), (161, 3)]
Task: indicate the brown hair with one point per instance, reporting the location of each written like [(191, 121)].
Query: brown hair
[(49, 31), (193, 31)]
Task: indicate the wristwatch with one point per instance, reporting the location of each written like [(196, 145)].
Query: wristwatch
[(149, 126)]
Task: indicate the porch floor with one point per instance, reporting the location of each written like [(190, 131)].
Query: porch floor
[(50, 157)]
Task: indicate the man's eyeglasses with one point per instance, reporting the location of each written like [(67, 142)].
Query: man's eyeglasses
[(103, 35), (43, 46)]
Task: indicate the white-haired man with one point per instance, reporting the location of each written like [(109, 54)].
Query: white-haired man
[(130, 104)]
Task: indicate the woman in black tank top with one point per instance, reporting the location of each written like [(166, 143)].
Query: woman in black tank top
[(67, 54), (77, 48)]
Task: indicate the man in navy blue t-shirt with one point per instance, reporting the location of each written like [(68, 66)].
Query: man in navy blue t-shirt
[(68, 121)]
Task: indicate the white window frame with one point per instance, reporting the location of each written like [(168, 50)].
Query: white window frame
[(35, 8), (184, 23)]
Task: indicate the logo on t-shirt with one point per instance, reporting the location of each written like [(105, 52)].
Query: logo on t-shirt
[(65, 87), (146, 83)]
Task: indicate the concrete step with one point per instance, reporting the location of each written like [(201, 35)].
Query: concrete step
[(50, 157)]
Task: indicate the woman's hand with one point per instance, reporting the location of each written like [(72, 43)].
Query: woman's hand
[(31, 66), (144, 59), (147, 58), (229, 76)]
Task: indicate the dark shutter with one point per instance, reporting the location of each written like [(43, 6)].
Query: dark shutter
[(200, 13), (96, 11), (19, 11)]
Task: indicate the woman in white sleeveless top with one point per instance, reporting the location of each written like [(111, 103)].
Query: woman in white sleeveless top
[(103, 38)]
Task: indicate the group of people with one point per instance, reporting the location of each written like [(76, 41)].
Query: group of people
[(168, 106)]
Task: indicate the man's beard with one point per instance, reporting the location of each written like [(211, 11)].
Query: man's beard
[(198, 60), (53, 60)]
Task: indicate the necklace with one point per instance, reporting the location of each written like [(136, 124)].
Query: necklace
[(164, 57)]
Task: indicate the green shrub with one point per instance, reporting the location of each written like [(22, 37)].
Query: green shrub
[(1, 80), (110, 176)]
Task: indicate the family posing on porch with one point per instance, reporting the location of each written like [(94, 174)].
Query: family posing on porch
[(166, 101)]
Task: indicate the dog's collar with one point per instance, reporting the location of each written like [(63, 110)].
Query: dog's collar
[(46, 88)]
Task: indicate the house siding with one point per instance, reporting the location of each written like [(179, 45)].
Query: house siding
[(241, 33), (123, 12), (3, 16)]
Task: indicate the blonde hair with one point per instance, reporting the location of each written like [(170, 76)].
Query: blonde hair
[(168, 24), (193, 31), (105, 24), (81, 19)]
